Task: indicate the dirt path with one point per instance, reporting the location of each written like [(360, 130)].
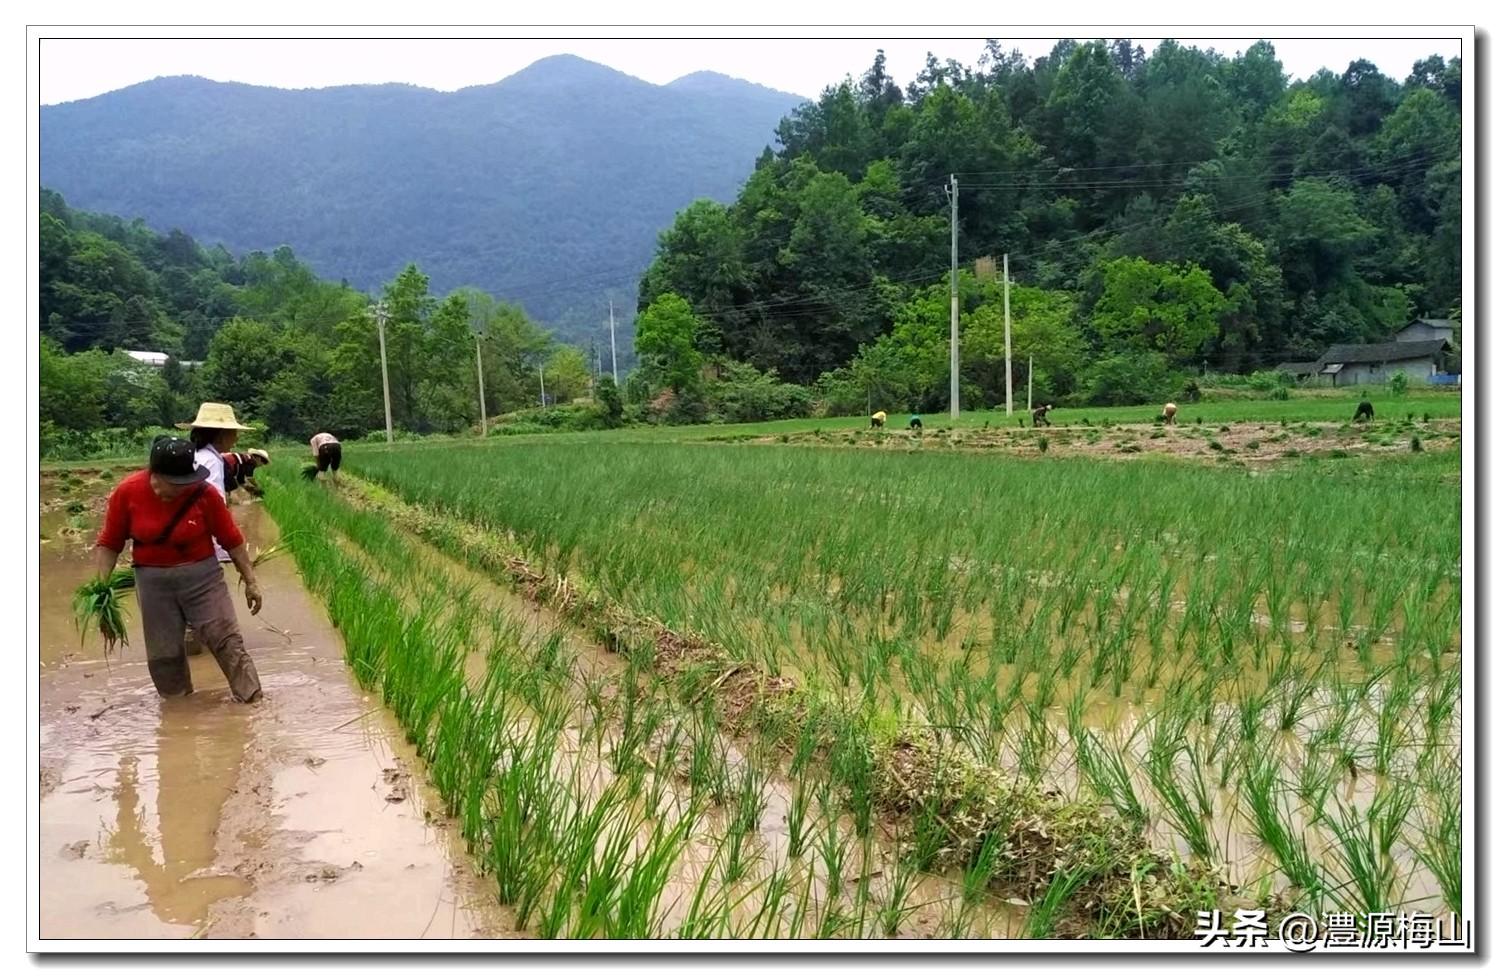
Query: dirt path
[(304, 815)]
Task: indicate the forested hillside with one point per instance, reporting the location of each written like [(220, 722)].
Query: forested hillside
[(1161, 213)]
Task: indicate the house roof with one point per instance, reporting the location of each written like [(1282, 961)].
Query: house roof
[(147, 356), (1438, 323), (1383, 352), (1298, 367)]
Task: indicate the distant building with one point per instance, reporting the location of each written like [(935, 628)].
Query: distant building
[(152, 359), (1422, 330), (1376, 363)]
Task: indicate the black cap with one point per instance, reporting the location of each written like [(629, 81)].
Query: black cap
[(172, 459)]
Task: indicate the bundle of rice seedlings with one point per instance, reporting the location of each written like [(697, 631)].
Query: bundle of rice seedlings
[(97, 603), (261, 556), (275, 550), (310, 471)]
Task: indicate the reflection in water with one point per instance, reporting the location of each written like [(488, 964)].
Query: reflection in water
[(200, 747)]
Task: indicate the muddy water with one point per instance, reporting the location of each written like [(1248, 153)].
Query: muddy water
[(303, 815)]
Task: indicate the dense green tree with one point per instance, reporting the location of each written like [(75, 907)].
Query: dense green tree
[(665, 335), (568, 375), (1172, 310)]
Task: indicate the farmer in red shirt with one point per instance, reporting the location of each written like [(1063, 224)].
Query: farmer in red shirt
[(172, 520)]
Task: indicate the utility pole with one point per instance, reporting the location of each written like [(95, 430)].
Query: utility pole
[(479, 366), (542, 384), (479, 363), (614, 371), (1029, 383), (1006, 291), (385, 380), (953, 296)]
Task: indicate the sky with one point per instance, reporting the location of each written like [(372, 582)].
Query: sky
[(76, 68)]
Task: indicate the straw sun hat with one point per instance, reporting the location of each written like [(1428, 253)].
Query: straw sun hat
[(217, 416)]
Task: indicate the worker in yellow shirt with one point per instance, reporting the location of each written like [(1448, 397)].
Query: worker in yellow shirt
[(878, 420)]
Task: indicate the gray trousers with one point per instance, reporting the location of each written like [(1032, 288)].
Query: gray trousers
[(196, 595), (194, 646)]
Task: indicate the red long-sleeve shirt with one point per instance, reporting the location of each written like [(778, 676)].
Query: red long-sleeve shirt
[(136, 513)]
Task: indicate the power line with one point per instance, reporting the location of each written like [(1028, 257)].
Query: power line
[(1417, 158), (930, 271), (1058, 168)]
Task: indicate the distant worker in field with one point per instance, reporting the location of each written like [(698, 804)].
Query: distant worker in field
[(327, 454), (914, 423), (1365, 412), (878, 420), (1170, 413), (1040, 415)]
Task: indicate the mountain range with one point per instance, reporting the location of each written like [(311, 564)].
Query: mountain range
[(547, 188)]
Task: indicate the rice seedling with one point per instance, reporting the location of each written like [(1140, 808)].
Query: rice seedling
[(1044, 913), (1187, 818), (797, 819), (1363, 850), (982, 868), (946, 590), (1441, 848), (635, 907), (1275, 828), (97, 605), (896, 904), (1108, 772), (833, 853)]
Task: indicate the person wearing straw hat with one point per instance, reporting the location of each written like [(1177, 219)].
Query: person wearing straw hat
[(171, 521), (214, 434)]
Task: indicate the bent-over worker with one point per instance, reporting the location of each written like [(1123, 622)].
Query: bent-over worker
[(327, 452)]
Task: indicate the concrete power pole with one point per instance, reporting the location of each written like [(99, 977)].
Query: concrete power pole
[(953, 296), (385, 380), (614, 370), (1006, 291), (479, 366), (542, 385), (479, 363)]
